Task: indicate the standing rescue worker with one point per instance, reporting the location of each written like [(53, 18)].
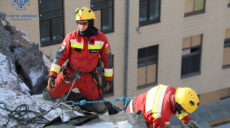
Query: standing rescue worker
[(82, 48), (159, 103)]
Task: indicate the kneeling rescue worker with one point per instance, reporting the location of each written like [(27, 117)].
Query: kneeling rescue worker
[(82, 48), (159, 103)]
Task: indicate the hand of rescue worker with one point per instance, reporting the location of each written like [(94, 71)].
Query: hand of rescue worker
[(192, 124), (51, 83), (107, 86)]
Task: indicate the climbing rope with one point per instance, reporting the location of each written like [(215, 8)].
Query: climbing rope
[(83, 102), (24, 116)]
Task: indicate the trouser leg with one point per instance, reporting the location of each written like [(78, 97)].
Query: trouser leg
[(89, 88)]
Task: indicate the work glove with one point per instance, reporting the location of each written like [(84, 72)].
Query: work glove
[(51, 83), (191, 124), (107, 85)]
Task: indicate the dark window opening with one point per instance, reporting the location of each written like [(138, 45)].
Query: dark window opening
[(51, 22), (104, 14), (149, 12)]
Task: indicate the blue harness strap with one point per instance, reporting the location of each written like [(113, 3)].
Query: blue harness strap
[(125, 99)]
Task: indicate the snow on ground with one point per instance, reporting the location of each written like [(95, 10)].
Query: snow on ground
[(12, 96), (122, 124), (34, 75), (46, 61)]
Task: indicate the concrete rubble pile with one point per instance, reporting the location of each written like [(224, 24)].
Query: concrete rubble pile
[(24, 56)]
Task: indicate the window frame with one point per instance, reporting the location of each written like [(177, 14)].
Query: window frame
[(191, 55), (226, 44), (143, 23), (52, 42), (145, 64), (101, 8), (195, 12)]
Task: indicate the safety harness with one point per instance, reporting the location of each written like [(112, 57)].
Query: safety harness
[(77, 75)]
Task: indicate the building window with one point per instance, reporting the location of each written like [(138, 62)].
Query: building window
[(193, 7), (104, 14), (226, 56), (149, 12), (147, 66), (51, 21), (100, 69), (191, 55)]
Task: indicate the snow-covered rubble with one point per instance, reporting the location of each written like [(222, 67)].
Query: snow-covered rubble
[(12, 95)]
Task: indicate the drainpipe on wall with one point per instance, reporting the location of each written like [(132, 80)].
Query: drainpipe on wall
[(126, 49)]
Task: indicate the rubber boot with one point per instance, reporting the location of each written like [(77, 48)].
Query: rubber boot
[(100, 108), (47, 95)]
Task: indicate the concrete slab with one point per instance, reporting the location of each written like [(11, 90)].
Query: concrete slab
[(204, 115), (227, 125), (225, 103), (216, 111)]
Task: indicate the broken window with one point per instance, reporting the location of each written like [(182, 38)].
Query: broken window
[(191, 55)]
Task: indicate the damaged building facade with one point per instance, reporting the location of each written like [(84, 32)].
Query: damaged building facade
[(179, 43)]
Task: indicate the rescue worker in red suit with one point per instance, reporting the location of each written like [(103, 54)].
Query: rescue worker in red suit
[(161, 102), (82, 48)]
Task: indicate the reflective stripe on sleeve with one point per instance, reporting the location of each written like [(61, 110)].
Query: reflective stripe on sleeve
[(55, 68), (75, 44), (108, 72), (131, 106), (182, 115)]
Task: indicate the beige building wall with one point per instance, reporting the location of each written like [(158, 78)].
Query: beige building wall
[(28, 24), (167, 34)]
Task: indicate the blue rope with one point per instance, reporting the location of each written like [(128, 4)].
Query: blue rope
[(126, 100)]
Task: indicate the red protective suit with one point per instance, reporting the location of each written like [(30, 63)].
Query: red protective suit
[(83, 54), (167, 108)]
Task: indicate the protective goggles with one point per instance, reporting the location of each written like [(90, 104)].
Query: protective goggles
[(82, 23)]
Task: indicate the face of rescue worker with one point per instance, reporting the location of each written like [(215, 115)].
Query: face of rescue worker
[(82, 25)]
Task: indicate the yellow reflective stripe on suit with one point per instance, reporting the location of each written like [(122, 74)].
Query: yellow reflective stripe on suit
[(75, 44), (55, 68), (96, 45), (108, 72), (155, 99), (182, 115)]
